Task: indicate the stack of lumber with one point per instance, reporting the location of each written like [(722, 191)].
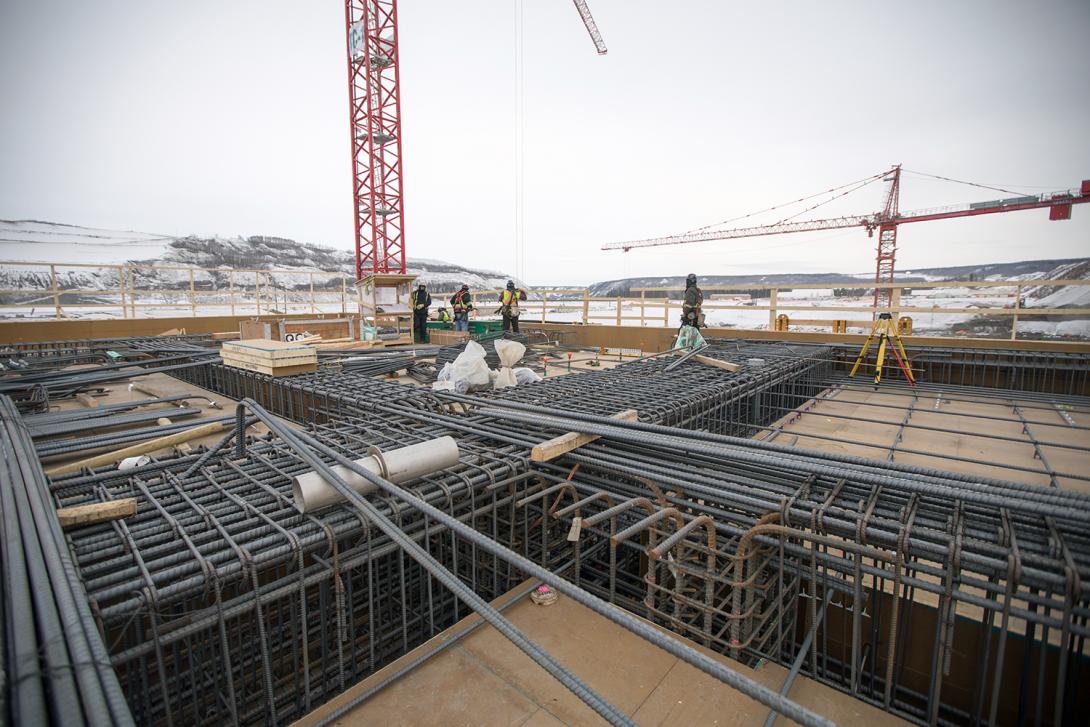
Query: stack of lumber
[(275, 358)]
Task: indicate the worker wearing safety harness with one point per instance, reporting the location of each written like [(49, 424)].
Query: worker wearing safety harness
[(691, 315), (462, 303), (421, 300), (509, 306)]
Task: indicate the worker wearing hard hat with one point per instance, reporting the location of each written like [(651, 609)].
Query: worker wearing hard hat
[(691, 314), (442, 316), (509, 306), (462, 303), (421, 300)]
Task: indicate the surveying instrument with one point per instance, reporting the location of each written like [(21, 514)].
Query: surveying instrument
[(888, 336)]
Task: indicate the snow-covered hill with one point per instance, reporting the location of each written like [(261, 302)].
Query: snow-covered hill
[(1025, 270), (49, 242)]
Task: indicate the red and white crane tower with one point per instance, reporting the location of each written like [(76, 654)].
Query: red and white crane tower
[(374, 98), (885, 222)]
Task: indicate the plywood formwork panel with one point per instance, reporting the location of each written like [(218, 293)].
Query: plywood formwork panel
[(486, 680)]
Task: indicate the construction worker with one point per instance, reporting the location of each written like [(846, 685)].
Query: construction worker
[(421, 300), (509, 306), (691, 315), (462, 303), (442, 316)]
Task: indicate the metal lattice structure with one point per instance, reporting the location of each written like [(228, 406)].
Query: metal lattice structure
[(374, 98), (938, 596), (885, 222)]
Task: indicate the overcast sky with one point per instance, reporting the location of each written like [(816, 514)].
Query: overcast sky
[(230, 117)]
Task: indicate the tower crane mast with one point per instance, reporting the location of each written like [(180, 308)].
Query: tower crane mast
[(886, 222), (374, 102)]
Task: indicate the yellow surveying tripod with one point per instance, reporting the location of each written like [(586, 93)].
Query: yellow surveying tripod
[(886, 331)]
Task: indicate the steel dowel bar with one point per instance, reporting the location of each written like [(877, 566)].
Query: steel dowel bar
[(833, 520), (977, 489), (101, 410), (304, 446), (117, 420), (692, 352), (273, 591), (747, 686)]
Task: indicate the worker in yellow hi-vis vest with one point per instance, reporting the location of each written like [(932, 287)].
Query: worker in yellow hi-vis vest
[(421, 300), (509, 306)]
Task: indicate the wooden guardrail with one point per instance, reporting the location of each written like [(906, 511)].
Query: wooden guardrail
[(775, 309), (245, 292)]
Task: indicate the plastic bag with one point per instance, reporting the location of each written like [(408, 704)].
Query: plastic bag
[(446, 373), (469, 370), (446, 385), (503, 378), (688, 337), (509, 353), (524, 375)]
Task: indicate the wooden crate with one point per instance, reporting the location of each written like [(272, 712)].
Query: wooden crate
[(291, 329), (327, 328), (444, 338), (251, 330)]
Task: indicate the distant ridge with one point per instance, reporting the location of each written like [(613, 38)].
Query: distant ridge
[(1026, 269)]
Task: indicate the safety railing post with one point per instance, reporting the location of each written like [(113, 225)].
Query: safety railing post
[(192, 295)]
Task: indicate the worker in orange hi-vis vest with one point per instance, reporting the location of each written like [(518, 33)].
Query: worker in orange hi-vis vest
[(509, 306), (462, 303)]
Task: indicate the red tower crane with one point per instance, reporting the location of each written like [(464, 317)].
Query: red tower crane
[(885, 222), (374, 100)]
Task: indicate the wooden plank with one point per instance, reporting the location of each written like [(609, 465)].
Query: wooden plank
[(347, 345), (135, 450), (99, 512), (86, 400), (226, 336), (272, 370), (829, 322), (725, 365), (300, 360), (557, 446), (268, 348)]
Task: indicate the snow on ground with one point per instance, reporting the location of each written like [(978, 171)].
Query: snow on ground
[(165, 292), (30, 240), (1069, 295), (1076, 328)]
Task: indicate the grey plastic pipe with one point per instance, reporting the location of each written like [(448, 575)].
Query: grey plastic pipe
[(312, 492)]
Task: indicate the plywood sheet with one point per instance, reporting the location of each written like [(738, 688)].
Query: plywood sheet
[(485, 680), (268, 349)]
